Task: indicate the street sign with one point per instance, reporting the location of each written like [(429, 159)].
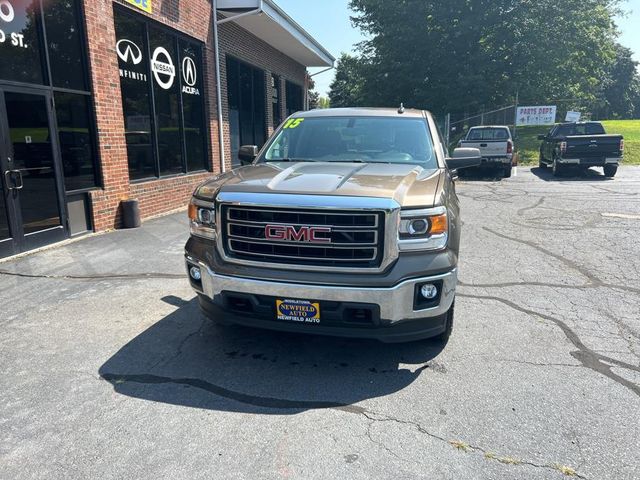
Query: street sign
[(541, 115)]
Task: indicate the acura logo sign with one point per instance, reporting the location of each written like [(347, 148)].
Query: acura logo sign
[(189, 71), (163, 69), (292, 234), (128, 51)]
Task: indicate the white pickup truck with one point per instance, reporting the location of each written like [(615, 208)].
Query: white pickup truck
[(495, 145)]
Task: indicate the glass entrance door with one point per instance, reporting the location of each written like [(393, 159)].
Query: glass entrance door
[(30, 180)]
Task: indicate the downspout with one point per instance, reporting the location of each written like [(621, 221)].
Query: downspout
[(216, 53)]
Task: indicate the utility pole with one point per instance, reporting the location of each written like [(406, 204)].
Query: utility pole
[(515, 115)]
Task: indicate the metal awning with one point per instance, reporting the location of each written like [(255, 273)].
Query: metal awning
[(268, 22)]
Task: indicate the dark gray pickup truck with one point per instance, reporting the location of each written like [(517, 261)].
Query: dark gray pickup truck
[(582, 144)]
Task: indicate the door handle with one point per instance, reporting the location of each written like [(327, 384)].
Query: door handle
[(10, 177)]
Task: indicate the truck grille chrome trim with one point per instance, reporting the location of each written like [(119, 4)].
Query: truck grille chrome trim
[(348, 238), (314, 233)]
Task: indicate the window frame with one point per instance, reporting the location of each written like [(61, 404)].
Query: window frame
[(149, 23), (48, 86)]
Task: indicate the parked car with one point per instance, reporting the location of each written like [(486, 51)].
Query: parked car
[(495, 145), (346, 223), (581, 144)]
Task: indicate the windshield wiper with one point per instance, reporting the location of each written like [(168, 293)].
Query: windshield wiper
[(291, 160)]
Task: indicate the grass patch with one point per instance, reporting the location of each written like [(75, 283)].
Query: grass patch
[(568, 471), (460, 445), (528, 144)]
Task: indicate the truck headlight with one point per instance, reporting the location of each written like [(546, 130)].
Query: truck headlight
[(423, 229), (202, 219)]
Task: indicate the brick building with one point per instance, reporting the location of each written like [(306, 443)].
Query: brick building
[(103, 101)]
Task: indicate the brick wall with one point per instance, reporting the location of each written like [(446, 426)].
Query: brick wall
[(193, 18)]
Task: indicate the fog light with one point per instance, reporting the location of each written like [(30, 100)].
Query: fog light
[(429, 291), (196, 274)]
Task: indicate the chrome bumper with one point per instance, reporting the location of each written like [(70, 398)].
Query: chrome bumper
[(396, 303)]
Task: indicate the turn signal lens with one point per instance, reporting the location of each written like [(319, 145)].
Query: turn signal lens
[(439, 224), (193, 212)]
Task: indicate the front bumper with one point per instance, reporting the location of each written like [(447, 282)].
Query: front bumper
[(396, 314)]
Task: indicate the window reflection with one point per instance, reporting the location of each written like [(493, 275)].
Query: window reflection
[(64, 41), (76, 140), (20, 38)]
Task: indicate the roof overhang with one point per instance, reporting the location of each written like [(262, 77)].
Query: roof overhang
[(268, 22)]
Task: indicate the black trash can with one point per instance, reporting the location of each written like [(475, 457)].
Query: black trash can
[(130, 213)]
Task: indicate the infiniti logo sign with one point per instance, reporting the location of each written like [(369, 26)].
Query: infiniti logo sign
[(128, 51)]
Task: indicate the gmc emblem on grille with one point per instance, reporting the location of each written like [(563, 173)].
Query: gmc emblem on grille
[(300, 234)]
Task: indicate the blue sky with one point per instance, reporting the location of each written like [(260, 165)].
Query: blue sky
[(328, 21)]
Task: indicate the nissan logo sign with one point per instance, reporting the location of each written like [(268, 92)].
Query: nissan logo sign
[(189, 71), (163, 69), (128, 51)]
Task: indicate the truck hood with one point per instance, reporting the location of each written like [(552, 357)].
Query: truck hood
[(409, 185)]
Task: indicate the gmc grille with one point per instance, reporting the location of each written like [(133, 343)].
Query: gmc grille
[(357, 238)]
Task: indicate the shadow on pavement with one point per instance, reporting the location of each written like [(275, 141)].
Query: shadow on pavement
[(185, 359), (571, 173), (481, 174)]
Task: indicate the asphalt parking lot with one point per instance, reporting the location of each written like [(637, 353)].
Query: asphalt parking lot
[(110, 371)]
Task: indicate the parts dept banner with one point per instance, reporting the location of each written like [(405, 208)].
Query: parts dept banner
[(544, 115), (141, 4)]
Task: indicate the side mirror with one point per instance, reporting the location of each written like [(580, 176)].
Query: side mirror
[(541, 137), (247, 154), (464, 158)]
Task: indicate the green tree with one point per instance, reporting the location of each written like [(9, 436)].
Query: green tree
[(458, 55), (346, 88), (621, 87)]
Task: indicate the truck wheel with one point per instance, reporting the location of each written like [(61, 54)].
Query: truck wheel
[(444, 336), (556, 168), (610, 170), (507, 171), (541, 163)]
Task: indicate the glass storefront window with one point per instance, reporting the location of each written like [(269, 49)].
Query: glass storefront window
[(246, 96), (192, 107), (75, 136), (295, 99), (163, 98), (20, 42), (133, 63), (167, 108), (64, 40)]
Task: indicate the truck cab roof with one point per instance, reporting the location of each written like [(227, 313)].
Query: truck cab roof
[(361, 112)]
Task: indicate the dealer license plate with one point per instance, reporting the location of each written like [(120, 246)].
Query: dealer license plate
[(302, 311)]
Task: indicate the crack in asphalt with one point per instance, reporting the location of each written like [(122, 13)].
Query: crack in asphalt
[(105, 276), (593, 279), (590, 359), (284, 404), (531, 207)]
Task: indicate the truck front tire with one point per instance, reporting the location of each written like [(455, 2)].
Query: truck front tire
[(444, 336), (610, 170)]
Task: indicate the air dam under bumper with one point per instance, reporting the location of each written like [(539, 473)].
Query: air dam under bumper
[(395, 317)]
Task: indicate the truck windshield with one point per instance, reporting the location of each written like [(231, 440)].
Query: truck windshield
[(354, 139), (488, 134)]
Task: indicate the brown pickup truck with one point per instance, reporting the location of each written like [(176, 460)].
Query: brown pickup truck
[(346, 223)]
